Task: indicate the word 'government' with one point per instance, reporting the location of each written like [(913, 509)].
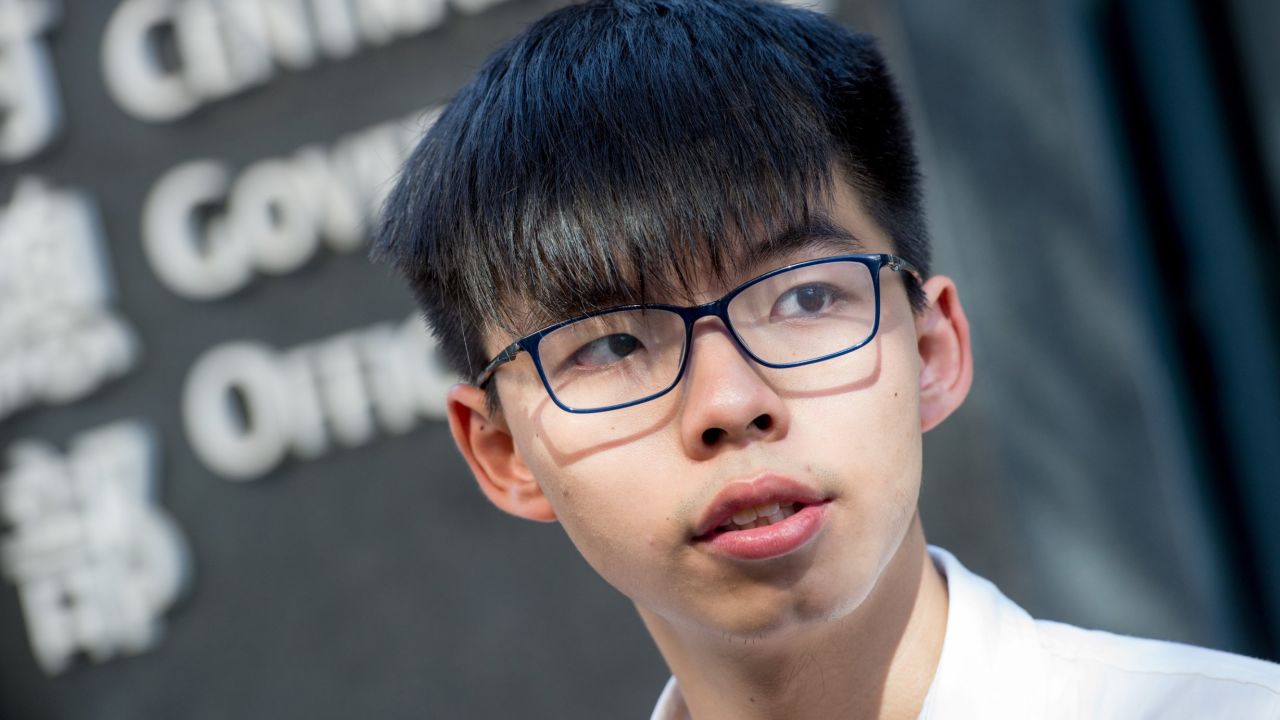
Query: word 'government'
[(206, 233), (247, 406), (162, 59)]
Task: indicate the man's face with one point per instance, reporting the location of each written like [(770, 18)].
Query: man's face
[(635, 488)]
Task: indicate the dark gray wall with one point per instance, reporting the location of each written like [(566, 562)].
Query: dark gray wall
[(1077, 467)]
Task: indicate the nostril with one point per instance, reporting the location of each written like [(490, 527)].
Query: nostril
[(763, 422), (711, 436)]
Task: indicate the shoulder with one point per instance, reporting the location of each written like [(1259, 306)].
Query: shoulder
[(1154, 677), (997, 661)]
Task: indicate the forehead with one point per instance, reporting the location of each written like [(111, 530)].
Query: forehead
[(677, 271)]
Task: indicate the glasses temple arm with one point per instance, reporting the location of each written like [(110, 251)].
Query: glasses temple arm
[(507, 355), (893, 262)]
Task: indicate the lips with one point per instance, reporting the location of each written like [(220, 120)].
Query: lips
[(769, 516)]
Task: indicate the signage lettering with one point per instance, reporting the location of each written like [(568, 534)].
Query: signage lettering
[(246, 406), (223, 47), (95, 560), (206, 233), (59, 338), (30, 112)]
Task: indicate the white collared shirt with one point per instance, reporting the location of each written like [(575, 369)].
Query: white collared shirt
[(999, 663)]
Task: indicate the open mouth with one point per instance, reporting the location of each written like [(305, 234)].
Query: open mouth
[(761, 532), (764, 518), (755, 517), (769, 514)]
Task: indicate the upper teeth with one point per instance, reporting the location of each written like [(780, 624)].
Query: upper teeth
[(760, 515)]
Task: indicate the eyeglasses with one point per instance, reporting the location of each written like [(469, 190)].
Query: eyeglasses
[(792, 316)]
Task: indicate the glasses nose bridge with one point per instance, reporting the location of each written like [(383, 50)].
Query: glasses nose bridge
[(714, 308)]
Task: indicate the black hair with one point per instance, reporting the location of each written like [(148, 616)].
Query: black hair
[(620, 149)]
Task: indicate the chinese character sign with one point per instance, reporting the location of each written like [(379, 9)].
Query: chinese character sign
[(59, 339), (30, 111), (95, 560)]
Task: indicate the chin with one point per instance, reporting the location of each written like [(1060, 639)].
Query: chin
[(776, 613)]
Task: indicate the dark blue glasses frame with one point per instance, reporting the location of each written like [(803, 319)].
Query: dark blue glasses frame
[(715, 308)]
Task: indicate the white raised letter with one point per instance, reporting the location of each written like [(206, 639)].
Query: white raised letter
[(237, 445), (267, 209), (30, 113), (131, 62), (195, 265)]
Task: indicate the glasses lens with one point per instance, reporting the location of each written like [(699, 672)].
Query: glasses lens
[(613, 358), (806, 313)]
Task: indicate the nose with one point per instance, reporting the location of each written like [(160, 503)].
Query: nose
[(727, 402)]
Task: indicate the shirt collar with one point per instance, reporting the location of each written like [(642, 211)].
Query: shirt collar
[(990, 664)]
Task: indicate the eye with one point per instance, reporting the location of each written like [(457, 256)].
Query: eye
[(607, 350), (806, 301)]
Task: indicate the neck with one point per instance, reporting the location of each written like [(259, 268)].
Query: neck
[(877, 661)]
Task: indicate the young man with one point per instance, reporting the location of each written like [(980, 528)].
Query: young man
[(677, 247)]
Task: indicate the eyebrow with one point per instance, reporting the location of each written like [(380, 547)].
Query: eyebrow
[(817, 232)]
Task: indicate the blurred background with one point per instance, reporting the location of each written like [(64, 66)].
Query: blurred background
[(225, 486)]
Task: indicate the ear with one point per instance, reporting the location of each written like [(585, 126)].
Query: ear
[(490, 451), (946, 357)]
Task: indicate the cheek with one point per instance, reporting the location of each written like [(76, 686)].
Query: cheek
[(568, 440), (613, 518), (871, 439), (874, 424)]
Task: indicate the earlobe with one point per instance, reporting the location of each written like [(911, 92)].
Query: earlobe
[(946, 356), (489, 449)]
